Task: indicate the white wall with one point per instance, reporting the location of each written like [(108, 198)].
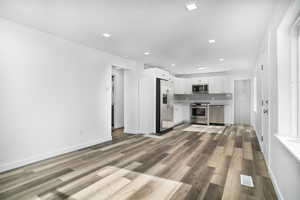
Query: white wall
[(118, 97), (182, 113), (55, 95), (132, 99), (283, 167), (147, 107)]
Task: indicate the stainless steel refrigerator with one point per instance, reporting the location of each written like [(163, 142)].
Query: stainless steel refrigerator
[(164, 105)]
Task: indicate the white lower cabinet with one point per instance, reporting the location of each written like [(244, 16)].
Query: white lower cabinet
[(181, 113)]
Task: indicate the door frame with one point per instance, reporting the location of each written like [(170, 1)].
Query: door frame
[(112, 101), (264, 101), (234, 98)]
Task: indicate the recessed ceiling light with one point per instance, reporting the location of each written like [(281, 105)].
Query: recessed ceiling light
[(173, 65), (147, 53), (221, 59), (107, 35), (211, 41), (201, 68), (191, 6)]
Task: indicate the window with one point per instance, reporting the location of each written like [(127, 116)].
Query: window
[(288, 72), (288, 60)]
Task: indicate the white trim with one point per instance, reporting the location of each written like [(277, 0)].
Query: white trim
[(132, 131), (275, 184), (288, 72), (40, 157), (271, 174), (292, 146)]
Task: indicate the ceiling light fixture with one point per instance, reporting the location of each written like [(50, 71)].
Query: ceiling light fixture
[(107, 35), (221, 59), (191, 6), (173, 65), (211, 41), (201, 68), (147, 53)]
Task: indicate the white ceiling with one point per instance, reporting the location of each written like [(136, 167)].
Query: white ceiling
[(163, 27)]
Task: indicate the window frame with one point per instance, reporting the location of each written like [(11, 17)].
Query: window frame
[(297, 63), (295, 77), (288, 74)]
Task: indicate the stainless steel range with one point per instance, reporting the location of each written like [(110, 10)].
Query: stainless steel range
[(200, 113)]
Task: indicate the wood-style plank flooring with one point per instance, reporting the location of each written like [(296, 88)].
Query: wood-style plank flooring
[(179, 165), (117, 133)]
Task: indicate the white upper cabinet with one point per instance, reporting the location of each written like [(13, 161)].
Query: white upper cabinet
[(219, 85), (178, 86), (201, 81), (183, 86), (215, 85), (226, 85), (188, 86)]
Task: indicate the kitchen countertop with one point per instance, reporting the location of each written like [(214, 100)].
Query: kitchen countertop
[(211, 102)]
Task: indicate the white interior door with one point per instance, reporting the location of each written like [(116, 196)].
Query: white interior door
[(242, 102)]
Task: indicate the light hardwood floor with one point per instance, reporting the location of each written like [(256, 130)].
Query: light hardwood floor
[(179, 165), (117, 133)]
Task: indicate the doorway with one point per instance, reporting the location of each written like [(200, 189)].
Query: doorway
[(117, 105), (242, 102)]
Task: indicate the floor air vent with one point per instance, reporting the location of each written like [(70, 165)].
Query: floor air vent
[(246, 181)]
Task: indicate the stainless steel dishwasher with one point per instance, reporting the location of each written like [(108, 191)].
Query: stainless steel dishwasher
[(216, 114)]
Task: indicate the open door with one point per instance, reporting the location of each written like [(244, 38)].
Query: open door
[(117, 107)]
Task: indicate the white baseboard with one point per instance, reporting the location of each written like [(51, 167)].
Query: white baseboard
[(274, 181), (271, 174), (132, 131), (36, 158)]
